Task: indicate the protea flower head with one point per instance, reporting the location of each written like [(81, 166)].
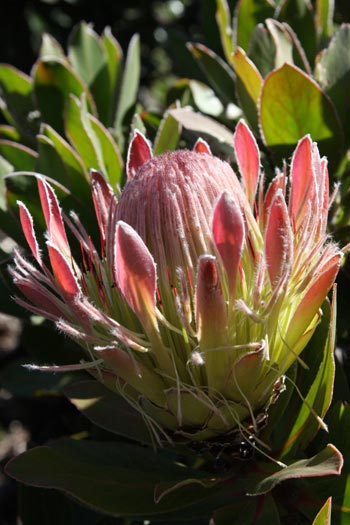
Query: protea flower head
[(202, 295)]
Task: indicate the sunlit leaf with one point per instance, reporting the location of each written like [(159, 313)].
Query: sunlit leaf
[(114, 57), (50, 48), (129, 83), (292, 97), (299, 15), (73, 166), (168, 135), (249, 83), (205, 99), (324, 516), (218, 73), (324, 18), (205, 127), (248, 14), (223, 20), (89, 60)]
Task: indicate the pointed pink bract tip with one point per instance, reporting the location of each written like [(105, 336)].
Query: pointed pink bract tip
[(229, 232), (248, 158), (135, 270), (28, 230), (201, 146), (139, 152)]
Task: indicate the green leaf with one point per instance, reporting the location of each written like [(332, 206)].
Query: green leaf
[(291, 97), (78, 130), (54, 82), (168, 134), (333, 73), (106, 476), (299, 15), (50, 162), (262, 50), (129, 84), (114, 56), (19, 156), (88, 58), (112, 159), (50, 48), (108, 410), (324, 19), (249, 83), (137, 123), (324, 516), (326, 463), (24, 383), (22, 186), (223, 20), (205, 99), (42, 507), (274, 45), (205, 127), (16, 103), (93, 141), (338, 420), (248, 14), (9, 132), (218, 73), (5, 168), (75, 171), (260, 510), (320, 393)]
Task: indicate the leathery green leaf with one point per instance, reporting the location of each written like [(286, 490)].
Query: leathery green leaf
[(106, 476), (204, 127), (324, 516), (69, 157), (21, 157), (97, 403), (89, 60), (218, 73), (261, 510), (290, 96), (54, 82), (249, 83), (248, 14), (93, 141), (17, 103), (333, 73), (168, 134), (299, 15), (114, 56), (50, 47), (223, 20), (129, 83), (318, 398), (324, 18), (327, 462)]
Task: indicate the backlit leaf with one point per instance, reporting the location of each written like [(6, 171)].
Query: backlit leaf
[(292, 97)]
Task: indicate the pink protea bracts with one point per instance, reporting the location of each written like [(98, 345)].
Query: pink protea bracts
[(202, 295)]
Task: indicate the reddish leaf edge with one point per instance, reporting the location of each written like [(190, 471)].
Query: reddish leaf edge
[(325, 463)]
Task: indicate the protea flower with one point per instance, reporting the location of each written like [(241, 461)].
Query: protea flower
[(201, 295)]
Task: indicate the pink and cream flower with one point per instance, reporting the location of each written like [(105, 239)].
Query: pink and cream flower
[(205, 288)]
